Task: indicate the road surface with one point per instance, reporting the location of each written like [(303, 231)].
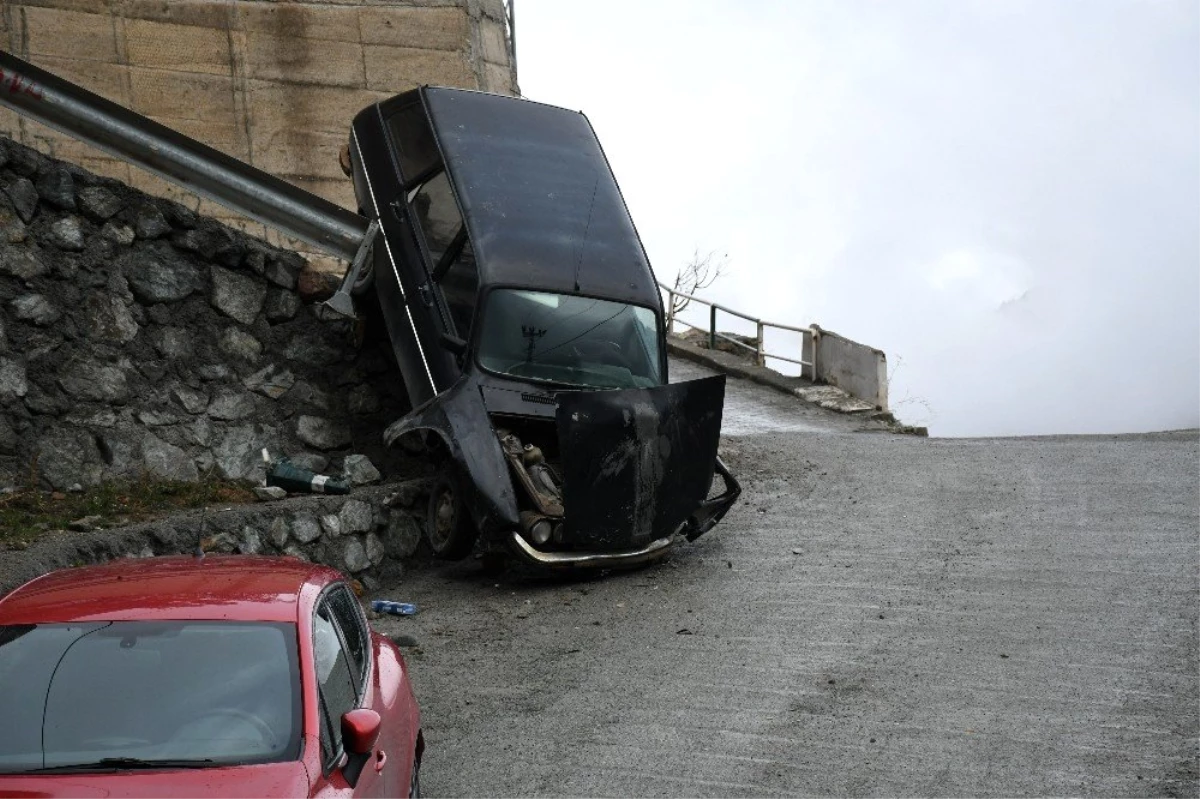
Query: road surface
[(879, 615)]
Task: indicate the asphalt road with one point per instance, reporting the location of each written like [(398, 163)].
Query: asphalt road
[(880, 615)]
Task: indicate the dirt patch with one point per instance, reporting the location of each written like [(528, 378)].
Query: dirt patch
[(28, 513)]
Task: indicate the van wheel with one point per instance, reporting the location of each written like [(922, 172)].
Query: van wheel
[(448, 526)]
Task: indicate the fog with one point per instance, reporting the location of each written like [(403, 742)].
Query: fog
[(1002, 196)]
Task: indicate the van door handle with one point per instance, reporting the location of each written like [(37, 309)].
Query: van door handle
[(426, 294), (380, 760)]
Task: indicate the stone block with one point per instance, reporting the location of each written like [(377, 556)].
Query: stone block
[(192, 400), (237, 454), (278, 532), (302, 25), (240, 344), (110, 80), (376, 551), (354, 556), (73, 34), (231, 406), (497, 78), (56, 186), (14, 382), (306, 529), (98, 203), (424, 28), (66, 457), (90, 381), (67, 234), (109, 319), (181, 48), (236, 295), (276, 57), (359, 470), (493, 41), (355, 517), (270, 381), (322, 433), (396, 69), (402, 536), (166, 461), (179, 95), (24, 197), (159, 276)]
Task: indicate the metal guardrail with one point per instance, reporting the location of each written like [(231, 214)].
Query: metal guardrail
[(69, 108), (808, 367), (510, 14)]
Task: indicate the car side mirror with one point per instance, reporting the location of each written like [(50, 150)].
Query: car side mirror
[(453, 343), (360, 730)]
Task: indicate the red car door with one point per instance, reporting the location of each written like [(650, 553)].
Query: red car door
[(342, 655)]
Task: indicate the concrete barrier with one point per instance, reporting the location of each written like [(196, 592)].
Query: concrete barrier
[(855, 368)]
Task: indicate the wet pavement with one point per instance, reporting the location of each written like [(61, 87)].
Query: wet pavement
[(879, 615), (752, 409)]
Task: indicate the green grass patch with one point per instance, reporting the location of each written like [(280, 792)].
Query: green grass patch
[(29, 511)]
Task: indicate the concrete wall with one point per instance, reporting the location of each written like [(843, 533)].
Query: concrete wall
[(274, 84), (855, 368)]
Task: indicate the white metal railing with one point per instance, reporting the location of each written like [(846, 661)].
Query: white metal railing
[(809, 335)]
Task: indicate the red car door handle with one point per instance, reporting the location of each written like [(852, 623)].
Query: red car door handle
[(380, 760)]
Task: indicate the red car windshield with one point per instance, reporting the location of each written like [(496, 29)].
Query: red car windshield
[(101, 695)]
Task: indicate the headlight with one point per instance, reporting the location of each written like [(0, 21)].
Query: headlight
[(540, 532), (538, 528)]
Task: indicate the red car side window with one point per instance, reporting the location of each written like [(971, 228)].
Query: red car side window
[(337, 684), (348, 615)]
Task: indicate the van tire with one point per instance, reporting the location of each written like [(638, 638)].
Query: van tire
[(448, 526)]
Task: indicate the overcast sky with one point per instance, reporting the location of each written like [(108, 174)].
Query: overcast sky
[(1003, 196)]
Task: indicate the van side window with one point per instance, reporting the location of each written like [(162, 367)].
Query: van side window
[(437, 215), (451, 257), (460, 287), (416, 151)]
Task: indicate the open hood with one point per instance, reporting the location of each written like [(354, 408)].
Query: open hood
[(637, 462)]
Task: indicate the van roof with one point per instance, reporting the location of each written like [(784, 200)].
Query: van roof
[(540, 202)]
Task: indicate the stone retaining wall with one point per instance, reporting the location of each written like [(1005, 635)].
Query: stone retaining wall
[(138, 339), (367, 535)]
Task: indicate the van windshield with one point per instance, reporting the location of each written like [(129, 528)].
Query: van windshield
[(568, 339)]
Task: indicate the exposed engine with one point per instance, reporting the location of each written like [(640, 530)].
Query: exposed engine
[(542, 485)]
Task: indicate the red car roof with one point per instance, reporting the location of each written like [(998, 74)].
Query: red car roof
[(235, 587)]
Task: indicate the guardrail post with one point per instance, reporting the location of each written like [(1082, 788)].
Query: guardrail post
[(670, 311), (814, 336), (759, 357), (712, 326)]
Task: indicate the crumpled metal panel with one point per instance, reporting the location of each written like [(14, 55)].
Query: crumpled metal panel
[(637, 462)]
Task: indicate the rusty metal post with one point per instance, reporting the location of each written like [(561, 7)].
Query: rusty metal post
[(759, 357), (712, 326)]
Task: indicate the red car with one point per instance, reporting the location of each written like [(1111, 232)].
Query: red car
[(181, 676)]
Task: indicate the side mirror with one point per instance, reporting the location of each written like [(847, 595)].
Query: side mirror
[(360, 730), (453, 343)]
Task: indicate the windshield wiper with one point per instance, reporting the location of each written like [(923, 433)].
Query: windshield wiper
[(122, 763)]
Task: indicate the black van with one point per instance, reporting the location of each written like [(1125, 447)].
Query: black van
[(529, 331)]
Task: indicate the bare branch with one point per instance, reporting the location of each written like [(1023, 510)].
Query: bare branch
[(698, 274)]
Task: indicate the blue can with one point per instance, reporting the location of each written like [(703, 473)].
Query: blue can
[(394, 608)]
